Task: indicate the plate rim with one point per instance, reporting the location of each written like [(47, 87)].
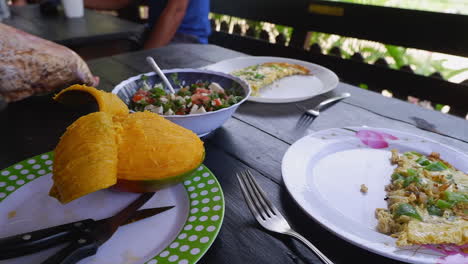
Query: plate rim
[(251, 98), (330, 226), (46, 169)]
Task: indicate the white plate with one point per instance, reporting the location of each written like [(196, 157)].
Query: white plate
[(180, 235), (286, 90), (323, 172)]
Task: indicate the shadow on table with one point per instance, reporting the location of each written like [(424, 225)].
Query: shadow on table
[(330, 244), (39, 122)]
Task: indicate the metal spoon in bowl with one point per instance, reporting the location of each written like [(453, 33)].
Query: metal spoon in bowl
[(158, 71)]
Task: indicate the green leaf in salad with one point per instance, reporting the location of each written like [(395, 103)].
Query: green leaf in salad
[(177, 104), (214, 96), (193, 87), (142, 103), (184, 92), (409, 210), (157, 92), (234, 100), (436, 166), (175, 79), (144, 78), (167, 106)]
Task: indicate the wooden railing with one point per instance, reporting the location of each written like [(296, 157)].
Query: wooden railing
[(430, 31)]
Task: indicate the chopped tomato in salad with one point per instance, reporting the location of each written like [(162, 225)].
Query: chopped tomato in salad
[(196, 98)]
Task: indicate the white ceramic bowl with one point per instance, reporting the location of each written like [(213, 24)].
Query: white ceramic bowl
[(201, 124)]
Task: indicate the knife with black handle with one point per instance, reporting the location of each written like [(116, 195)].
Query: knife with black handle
[(35, 241)]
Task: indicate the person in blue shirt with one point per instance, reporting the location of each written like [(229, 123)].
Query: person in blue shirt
[(169, 20)]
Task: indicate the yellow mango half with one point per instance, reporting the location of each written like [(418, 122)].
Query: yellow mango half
[(140, 151), (85, 159), (151, 147)]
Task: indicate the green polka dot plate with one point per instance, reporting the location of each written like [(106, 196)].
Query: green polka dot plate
[(180, 235)]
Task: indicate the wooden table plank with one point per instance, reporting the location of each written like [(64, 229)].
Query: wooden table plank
[(281, 120), (111, 71), (422, 118)]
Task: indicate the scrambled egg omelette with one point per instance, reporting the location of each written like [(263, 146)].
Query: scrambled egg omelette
[(427, 201), (259, 76)]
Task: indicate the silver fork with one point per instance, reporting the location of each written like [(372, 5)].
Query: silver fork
[(310, 114), (266, 213)]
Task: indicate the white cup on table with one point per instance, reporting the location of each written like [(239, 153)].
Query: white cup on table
[(73, 8), (4, 10)]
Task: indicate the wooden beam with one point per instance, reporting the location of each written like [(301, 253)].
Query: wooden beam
[(425, 30)]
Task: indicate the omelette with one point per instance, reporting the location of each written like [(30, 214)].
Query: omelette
[(261, 75), (427, 201)]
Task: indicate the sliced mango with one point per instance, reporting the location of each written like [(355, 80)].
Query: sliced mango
[(152, 147), (100, 149), (85, 159)]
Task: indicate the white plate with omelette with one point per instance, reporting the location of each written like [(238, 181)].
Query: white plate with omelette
[(339, 176), (279, 80)]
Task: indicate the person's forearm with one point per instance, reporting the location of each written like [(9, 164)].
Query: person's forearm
[(106, 4), (167, 24)]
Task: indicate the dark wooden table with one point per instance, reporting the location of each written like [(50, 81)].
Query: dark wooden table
[(92, 27), (256, 138), (94, 35)]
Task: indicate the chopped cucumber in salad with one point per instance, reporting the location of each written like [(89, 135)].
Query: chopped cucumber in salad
[(196, 98)]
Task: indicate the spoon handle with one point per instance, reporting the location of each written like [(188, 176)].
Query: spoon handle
[(158, 71)]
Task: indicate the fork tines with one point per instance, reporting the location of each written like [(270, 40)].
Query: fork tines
[(304, 121), (257, 201)]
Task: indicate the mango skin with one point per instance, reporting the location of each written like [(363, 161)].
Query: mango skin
[(142, 186)]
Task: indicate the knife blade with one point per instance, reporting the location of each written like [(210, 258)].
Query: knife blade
[(142, 214), (35, 241), (85, 243)]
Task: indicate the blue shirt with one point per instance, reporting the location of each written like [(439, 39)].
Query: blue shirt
[(195, 22)]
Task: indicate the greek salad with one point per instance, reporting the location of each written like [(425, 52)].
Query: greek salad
[(200, 97)]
